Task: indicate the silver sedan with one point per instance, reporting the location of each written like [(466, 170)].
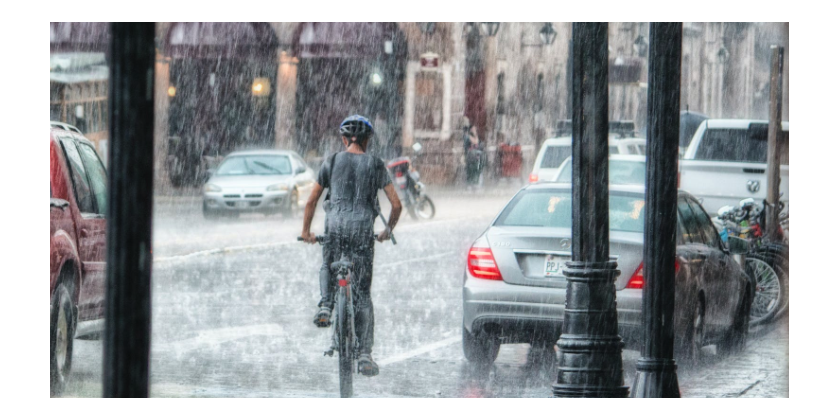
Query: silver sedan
[(514, 290), (259, 181)]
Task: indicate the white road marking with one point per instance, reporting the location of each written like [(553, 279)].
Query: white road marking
[(420, 350), (207, 338)]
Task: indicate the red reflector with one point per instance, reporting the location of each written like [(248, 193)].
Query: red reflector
[(638, 279), (481, 264), (342, 282), (533, 178)]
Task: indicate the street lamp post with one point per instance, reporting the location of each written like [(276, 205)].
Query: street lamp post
[(490, 29), (656, 370), (130, 184), (590, 348)]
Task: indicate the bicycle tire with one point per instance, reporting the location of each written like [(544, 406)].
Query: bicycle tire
[(345, 344)]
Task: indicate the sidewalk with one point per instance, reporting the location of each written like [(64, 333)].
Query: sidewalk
[(761, 371)]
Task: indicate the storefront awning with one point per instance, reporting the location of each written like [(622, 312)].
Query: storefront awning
[(346, 40), (221, 40), (79, 36)]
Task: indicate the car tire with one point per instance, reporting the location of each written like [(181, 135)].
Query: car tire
[(291, 209), (208, 213), (735, 340), (688, 345), (480, 349), (62, 330)]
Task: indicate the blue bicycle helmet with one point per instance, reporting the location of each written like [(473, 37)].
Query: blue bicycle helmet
[(356, 126)]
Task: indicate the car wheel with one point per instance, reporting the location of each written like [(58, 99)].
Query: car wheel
[(480, 349), (291, 209), (770, 291), (208, 213), (735, 340), (62, 329), (689, 344)]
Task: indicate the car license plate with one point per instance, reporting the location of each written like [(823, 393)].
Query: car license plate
[(401, 180), (554, 265), (241, 204)]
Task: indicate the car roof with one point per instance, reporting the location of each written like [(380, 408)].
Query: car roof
[(263, 152), (567, 140), (70, 134), (742, 124), (619, 157), (621, 188)]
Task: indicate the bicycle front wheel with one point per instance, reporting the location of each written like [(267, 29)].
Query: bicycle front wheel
[(345, 343)]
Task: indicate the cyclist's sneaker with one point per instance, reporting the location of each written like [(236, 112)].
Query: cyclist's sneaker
[(322, 317), (367, 366)]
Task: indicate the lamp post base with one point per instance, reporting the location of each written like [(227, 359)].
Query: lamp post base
[(590, 364), (656, 378)]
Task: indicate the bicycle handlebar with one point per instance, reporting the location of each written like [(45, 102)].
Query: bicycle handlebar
[(321, 238)]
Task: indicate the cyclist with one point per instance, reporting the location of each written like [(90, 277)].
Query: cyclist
[(353, 180)]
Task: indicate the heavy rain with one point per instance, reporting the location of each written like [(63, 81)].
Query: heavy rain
[(496, 229)]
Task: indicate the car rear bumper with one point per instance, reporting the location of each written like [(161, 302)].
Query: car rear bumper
[(258, 202), (516, 313)]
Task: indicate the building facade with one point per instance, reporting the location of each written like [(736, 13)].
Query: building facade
[(289, 85)]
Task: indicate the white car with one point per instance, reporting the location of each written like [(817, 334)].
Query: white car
[(623, 170), (554, 151), (258, 181)]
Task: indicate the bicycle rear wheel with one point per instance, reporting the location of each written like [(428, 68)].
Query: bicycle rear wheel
[(345, 343)]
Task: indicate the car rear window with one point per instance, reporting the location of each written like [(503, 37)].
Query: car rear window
[(553, 208), (621, 172), (255, 165), (554, 156), (738, 145)]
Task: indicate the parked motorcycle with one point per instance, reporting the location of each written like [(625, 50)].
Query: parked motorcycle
[(767, 262), (412, 191)]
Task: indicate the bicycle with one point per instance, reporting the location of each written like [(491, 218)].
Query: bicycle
[(344, 337)]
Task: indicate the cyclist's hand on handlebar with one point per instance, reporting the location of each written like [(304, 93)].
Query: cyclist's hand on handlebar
[(384, 235), (308, 237)]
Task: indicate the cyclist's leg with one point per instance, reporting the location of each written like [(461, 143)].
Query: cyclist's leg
[(327, 283), (363, 276)]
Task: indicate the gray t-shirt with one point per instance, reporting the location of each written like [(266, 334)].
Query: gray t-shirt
[(353, 181)]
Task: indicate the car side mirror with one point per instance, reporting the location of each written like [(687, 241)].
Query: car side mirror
[(58, 203), (737, 246), (300, 170)]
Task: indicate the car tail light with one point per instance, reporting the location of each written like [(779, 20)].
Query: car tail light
[(533, 178), (679, 175), (638, 279), (481, 264)]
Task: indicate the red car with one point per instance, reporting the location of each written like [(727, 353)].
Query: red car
[(78, 200)]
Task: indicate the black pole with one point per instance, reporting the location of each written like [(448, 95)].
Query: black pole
[(590, 348), (131, 159), (656, 370)]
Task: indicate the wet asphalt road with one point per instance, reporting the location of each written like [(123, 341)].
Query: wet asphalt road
[(233, 303)]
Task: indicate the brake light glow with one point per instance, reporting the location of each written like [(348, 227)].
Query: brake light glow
[(533, 178), (481, 264), (638, 279)]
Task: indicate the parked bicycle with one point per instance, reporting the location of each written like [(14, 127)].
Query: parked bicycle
[(767, 262)]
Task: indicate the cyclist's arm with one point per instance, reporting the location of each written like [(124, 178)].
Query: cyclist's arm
[(396, 206), (309, 212)]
